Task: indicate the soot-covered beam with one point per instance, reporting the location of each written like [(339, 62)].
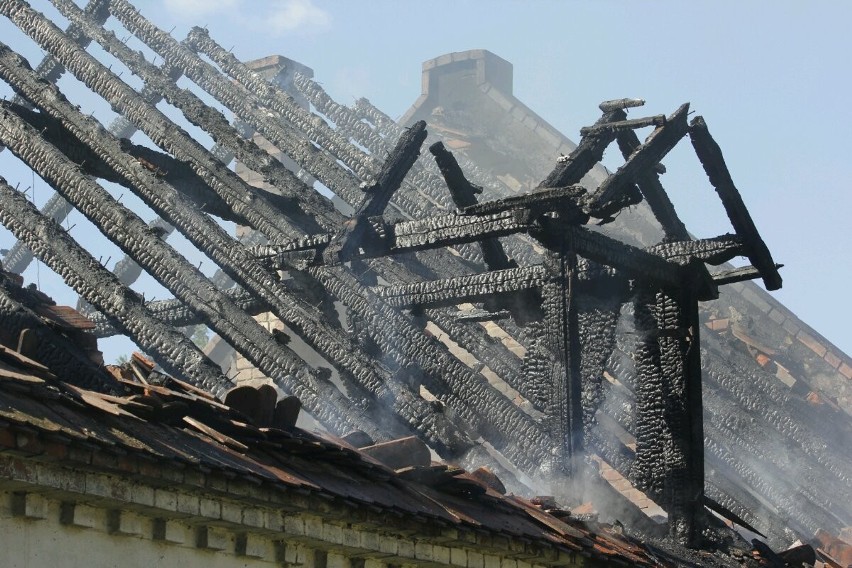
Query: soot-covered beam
[(472, 288), (570, 169), (378, 196), (464, 195), (648, 182), (711, 158)]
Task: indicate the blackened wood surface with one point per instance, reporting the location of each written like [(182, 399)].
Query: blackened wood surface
[(714, 164)]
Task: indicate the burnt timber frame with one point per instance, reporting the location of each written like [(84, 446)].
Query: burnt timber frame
[(323, 250)]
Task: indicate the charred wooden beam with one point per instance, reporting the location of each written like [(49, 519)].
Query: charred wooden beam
[(133, 235), (561, 199), (563, 414), (357, 230), (652, 190), (19, 256), (464, 195), (738, 274), (570, 169), (620, 104), (622, 125), (713, 251), (452, 291), (424, 179), (178, 314), (448, 230), (53, 246), (658, 144), (711, 158), (633, 261)]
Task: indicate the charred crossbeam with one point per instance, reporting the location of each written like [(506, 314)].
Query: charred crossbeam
[(621, 125), (464, 195), (713, 251), (452, 291), (738, 274), (561, 199)]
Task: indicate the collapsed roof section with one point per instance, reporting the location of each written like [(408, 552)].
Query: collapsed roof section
[(407, 362)]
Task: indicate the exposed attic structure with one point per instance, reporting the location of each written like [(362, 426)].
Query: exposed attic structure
[(523, 331)]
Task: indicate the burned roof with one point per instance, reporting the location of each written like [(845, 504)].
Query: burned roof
[(603, 350)]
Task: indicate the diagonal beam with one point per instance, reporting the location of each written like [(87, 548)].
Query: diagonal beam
[(652, 190), (711, 158), (349, 240), (571, 169), (658, 144)]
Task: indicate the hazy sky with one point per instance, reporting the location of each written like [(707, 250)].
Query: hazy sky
[(770, 78)]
